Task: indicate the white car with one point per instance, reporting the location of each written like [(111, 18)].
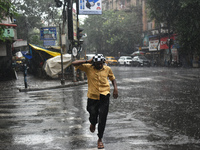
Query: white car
[(125, 60)]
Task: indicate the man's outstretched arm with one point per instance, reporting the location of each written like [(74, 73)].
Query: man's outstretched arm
[(80, 62)]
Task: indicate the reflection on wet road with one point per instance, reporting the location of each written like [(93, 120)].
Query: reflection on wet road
[(157, 109)]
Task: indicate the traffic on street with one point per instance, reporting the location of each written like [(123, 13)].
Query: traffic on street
[(157, 109)]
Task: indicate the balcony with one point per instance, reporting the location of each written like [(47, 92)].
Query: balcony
[(10, 33)]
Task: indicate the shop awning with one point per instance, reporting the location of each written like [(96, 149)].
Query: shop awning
[(44, 50)]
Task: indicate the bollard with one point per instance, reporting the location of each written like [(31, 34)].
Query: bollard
[(25, 74)]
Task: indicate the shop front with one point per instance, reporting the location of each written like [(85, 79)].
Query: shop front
[(160, 52)]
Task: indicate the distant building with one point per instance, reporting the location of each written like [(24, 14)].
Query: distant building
[(155, 38)]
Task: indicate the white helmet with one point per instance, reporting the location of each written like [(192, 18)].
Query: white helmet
[(98, 58)]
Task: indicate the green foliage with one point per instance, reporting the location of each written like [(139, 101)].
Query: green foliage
[(164, 11), (1, 33), (46, 10), (183, 17), (113, 32), (25, 26), (35, 39), (188, 26), (34, 15)]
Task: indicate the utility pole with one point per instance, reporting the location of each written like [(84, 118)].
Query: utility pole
[(62, 37), (158, 53), (169, 41), (61, 55), (71, 36), (71, 43)]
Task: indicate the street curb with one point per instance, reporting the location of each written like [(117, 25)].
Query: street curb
[(54, 87)]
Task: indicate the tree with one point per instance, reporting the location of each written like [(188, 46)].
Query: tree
[(46, 10), (34, 15), (113, 32), (164, 11), (188, 25), (25, 26)]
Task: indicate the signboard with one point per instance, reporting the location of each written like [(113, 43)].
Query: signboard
[(74, 24), (175, 55), (48, 33), (163, 42), (146, 41), (49, 43), (153, 45), (90, 7)]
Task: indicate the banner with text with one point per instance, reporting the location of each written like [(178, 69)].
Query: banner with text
[(163, 42), (90, 7), (153, 44)]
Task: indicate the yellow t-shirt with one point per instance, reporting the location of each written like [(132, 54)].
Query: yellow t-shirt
[(97, 80)]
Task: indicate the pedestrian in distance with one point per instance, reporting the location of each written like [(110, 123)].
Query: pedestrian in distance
[(98, 92), (25, 73)]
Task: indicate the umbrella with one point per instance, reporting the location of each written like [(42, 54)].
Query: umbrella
[(136, 53)]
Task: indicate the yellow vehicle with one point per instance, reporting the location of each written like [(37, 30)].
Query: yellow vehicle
[(111, 61)]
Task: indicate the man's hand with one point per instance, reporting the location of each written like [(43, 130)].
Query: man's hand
[(115, 93), (90, 60)]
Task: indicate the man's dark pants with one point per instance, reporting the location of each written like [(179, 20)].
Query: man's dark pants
[(98, 110)]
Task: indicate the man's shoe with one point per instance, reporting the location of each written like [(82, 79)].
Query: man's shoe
[(92, 128), (100, 144)]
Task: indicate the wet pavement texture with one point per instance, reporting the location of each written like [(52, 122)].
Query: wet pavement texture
[(157, 109)]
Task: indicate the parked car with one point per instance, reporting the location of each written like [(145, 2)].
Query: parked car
[(140, 61), (111, 61), (125, 60)]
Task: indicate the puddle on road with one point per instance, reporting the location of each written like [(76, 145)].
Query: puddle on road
[(137, 80), (33, 139)]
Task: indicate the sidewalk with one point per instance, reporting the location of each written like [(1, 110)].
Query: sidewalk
[(36, 84)]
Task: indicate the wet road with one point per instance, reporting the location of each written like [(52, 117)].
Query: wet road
[(157, 109)]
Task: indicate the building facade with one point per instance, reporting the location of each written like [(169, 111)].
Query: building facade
[(9, 36)]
